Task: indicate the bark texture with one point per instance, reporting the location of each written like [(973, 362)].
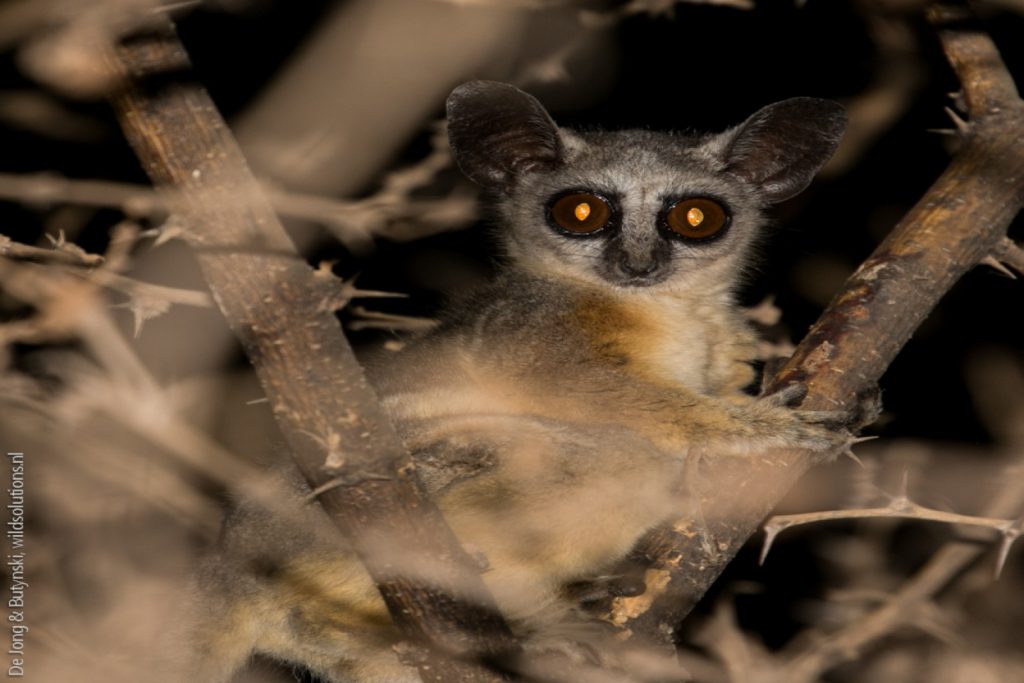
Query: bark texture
[(282, 312)]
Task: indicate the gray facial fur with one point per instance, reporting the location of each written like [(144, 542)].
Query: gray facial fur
[(641, 173), (505, 140)]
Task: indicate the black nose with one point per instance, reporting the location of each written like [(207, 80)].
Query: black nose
[(637, 268)]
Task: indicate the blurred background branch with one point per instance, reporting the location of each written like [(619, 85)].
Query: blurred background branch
[(336, 430)]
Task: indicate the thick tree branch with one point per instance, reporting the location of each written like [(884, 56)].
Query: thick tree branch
[(334, 425), (960, 220)]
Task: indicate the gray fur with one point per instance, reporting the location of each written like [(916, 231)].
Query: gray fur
[(642, 170)]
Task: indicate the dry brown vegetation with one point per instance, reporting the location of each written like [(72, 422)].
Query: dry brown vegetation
[(125, 388)]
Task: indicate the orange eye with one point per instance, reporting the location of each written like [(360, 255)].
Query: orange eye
[(696, 218), (580, 212)]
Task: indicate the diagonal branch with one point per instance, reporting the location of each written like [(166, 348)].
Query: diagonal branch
[(332, 420), (960, 220)]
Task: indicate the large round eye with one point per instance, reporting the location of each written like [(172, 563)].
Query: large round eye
[(696, 218), (580, 212)]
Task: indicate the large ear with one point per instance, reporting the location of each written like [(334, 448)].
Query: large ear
[(781, 147), (498, 132)]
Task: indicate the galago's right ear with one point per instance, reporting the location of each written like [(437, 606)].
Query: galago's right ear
[(498, 132)]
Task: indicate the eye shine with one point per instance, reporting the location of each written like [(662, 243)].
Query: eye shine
[(696, 219), (579, 212)]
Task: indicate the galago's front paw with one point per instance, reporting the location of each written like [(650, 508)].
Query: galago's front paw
[(603, 588), (822, 431), (826, 431)]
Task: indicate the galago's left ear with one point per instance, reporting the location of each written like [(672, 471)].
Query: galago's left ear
[(782, 146)]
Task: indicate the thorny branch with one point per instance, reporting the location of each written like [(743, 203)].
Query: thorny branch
[(820, 654), (147, 300), (390, 213), (960, 221), (394, 212), (62, 252), (330, 417), (122, 395), (900, 506)]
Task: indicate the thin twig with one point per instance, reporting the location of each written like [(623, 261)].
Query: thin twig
[(353, 223), (899, 508), (61, 252), (377, 320), (122, 393), (145, 300)]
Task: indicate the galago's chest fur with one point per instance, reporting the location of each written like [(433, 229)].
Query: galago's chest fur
[(669, 340), (589, 357)]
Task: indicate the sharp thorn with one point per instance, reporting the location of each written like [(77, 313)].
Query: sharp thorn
[(1011, 254), (995, 263), (168, 233), (1004, 552), (376, 294), (139, 321), (1010, 534), (959, 101), (769, 538), (853, 456), (961, 125), (904, 482)]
